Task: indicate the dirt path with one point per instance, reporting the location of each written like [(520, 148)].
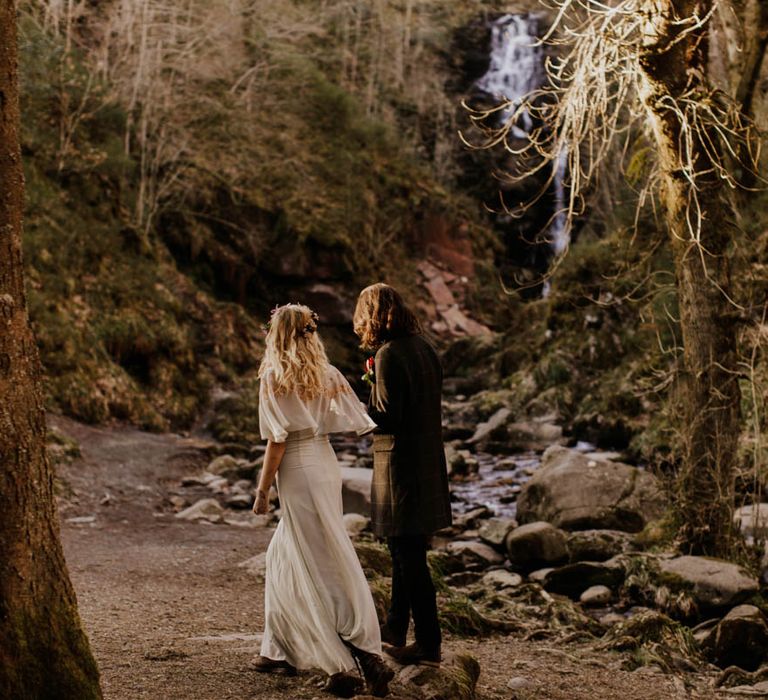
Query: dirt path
[(172, 617)]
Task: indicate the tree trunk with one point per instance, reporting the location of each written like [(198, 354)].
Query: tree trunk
[(708, 383), (44, 652), (753, 63), (750, 79)]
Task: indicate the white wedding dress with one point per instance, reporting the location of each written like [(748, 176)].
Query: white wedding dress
[(316, 592)]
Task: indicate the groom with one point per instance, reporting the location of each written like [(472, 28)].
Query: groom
[(409, 496)]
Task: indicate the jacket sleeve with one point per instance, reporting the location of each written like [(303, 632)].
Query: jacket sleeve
[(386, 404)]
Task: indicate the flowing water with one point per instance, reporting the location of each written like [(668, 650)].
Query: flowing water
[(516, 69)]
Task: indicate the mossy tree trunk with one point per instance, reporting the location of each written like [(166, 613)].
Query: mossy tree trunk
[(674, 64), (44, 653)]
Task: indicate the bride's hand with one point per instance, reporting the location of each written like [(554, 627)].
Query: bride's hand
[(261, 503)]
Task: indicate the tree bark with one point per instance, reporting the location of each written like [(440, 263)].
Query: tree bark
[(44, 653), (709, 394), (753, 63), (745, 94)]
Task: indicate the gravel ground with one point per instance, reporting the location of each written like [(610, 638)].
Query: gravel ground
[(171, 616)]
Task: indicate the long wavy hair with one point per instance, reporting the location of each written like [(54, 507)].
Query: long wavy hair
[(294, 352), (382, 315)]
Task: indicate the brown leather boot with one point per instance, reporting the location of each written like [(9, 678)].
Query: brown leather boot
[(262, 664), (415, 654), (376, 673)]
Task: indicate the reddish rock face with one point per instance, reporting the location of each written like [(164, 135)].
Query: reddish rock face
[(447, 243)]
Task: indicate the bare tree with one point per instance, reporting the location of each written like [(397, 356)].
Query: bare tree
[(634, 66), (44, 652)]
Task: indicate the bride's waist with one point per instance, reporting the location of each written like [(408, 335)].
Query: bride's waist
[(304, 436)]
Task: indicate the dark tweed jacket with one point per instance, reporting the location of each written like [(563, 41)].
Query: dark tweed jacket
[(409, 493)]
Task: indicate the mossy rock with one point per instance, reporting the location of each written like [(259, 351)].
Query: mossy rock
[(374, 558)]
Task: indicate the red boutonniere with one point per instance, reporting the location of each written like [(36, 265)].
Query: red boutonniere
[(369, 376)]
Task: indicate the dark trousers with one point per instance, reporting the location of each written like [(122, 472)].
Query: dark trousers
[(413, 593)]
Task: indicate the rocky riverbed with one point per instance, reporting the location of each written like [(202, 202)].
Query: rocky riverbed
[(550, 544)]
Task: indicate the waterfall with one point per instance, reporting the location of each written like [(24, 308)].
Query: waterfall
[(517, 68)]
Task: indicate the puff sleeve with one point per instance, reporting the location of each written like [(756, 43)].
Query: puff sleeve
[(281, 414), (344, 411)]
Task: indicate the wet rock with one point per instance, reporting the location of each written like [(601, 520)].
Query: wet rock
[(232, 468), (219, 485), (484, 430), (752, 520), (739, 639), (596, 595), (529, 546), (573, 579), (356, 524), (597, 545), (205, 509), (460, 463), (529, 435), (500, 579), (576, 493), (356, 490), (494, 531), (178, 502), (455, 679), (475, 554), (713, 583), (471, 517), (196, 479), (239, 501), (540, 575)]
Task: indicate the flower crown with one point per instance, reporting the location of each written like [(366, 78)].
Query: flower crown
[(309, 328)]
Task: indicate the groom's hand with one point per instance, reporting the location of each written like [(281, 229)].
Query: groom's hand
[(261, 503)]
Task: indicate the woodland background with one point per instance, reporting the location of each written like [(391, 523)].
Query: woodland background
[(191, 164)]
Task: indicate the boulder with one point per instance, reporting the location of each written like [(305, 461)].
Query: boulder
[(501, 578), (540, 575), (532, 545), (256, 565), (494, 531), (596, 595), (713, 583), (573, 579), (239, 501), (475, 554), (597, 545), (576, 493), (356, 523), (471, 518), (205, 509), (356, 490), (455, 679), (484, 430), (233, 468), (740, 639), (530, 435)]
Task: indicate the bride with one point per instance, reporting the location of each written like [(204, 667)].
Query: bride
[(318, 609)]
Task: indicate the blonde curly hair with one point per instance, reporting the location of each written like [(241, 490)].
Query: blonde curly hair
[(294, 352)]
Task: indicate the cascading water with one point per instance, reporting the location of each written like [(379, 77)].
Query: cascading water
[(516, 69)]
